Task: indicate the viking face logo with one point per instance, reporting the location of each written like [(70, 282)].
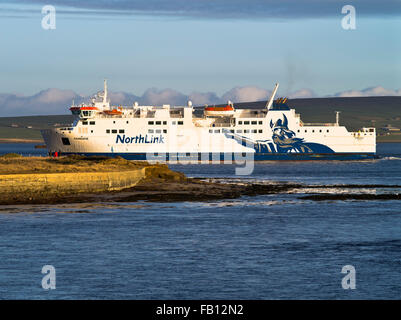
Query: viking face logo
[(283, 141), (283, 137)]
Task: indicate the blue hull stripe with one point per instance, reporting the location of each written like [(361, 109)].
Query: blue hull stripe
[(233, 157)]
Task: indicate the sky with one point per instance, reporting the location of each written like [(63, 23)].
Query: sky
[(157, 51)]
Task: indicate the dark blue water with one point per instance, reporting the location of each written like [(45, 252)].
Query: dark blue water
[(265, 247)]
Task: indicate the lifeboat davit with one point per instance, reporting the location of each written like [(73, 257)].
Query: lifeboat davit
[(228, 110)]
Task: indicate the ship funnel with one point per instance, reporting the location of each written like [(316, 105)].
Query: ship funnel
[(269, 104), (338, 118)]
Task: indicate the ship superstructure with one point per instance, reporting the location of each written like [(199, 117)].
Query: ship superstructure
[(168, 133)]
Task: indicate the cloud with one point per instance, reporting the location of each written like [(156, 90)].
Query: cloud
[(154, 96), (245, 94), (122, 98), (218, 9), (302, 93), (50, 101), (57, 101), (199, 98), (369, 92)]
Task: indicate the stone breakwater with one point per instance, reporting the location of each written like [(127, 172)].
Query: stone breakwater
[(33, 186), (70, 182), (46, 180)]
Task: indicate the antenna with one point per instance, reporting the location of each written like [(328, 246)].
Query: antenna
[(269, 104)]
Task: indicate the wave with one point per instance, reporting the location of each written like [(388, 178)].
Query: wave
[(390, 158)]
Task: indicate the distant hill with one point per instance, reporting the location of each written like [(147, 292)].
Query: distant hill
[(356, 112), (28, 127)]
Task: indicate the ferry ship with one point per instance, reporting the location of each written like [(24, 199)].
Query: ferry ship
[(188, 133)]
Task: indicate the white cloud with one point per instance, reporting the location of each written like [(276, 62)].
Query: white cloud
[(57, 101), (246, 94), (154, 96), (302, 93), (369, 92), (199, 98), (54, 96)]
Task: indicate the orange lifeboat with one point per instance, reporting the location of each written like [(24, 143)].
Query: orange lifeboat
[(228, 110), (114, 112)]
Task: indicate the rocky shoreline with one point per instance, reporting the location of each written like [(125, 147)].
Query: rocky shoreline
[(125, 181)]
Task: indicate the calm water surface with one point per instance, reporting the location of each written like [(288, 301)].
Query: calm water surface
[(265, 247)]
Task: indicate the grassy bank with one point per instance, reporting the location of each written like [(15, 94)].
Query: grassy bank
[(16, 164)]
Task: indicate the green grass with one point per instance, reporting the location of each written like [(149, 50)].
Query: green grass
[(36, 122)]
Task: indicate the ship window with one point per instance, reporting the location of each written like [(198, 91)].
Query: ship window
[(239, 122), (232, 131), (121, 131), (313, 130), (158, 122), (66, 141), (260, 131), (371, 130), (210, 131), (173, 122), (164, 122), (306, 130), (246, 131), (85, 113), (92, 123), (217, 131), (84, 123), (327, 130), (150, 122), (180, 122), (254, 122), (150, 131), (254, 131), (158, 131), (108, 131), (127, 121), (299, 130), (114, 122), (320, 130), (164, 130), (239, 131), (91, 131), (260, 122), (114, 131), (246, 122)]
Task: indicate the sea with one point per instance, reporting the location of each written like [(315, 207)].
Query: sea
[(262, 247)]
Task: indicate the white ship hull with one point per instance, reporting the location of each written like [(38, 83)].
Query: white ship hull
[(165, 133)]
